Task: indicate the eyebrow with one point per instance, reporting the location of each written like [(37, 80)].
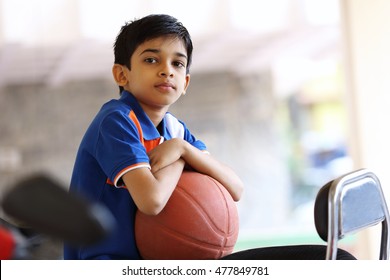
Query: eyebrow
[(158, 51)]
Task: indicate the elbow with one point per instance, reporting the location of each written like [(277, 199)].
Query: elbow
[(237, 197), (151, 207), (237, 194), (236, 189), (150, 211)]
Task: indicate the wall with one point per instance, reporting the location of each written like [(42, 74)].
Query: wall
[(367, 45)]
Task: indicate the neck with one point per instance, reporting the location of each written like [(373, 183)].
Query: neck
[(155, 114)]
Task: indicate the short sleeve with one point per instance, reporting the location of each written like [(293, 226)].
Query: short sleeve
[(119, 148)]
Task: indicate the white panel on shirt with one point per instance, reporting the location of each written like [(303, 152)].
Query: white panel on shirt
[(175, 128)]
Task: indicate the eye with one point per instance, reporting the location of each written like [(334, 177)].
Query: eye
[(179, 64), (150, 60)]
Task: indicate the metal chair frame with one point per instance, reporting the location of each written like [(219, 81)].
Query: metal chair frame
[(356, 202)]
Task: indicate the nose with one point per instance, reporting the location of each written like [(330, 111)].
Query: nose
[(166, 71)]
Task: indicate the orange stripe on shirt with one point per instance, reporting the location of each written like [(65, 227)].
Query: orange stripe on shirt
[(148, 144), (151, 144), (126, 169), (133, 117)]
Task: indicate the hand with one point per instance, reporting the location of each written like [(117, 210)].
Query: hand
[(165, 154)]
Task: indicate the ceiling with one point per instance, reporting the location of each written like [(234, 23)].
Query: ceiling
[(237, 52)]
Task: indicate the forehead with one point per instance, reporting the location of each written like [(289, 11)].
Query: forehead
[(164, 44)]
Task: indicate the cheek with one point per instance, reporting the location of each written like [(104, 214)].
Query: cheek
[(140, 80)]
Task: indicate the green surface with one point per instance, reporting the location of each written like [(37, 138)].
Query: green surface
[(250, 242)]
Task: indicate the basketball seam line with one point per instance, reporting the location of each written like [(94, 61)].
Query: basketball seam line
[(204, 213)]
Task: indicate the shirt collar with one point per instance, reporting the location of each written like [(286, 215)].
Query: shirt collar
[(149, 131)]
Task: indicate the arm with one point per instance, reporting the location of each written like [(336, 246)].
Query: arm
[(204, 163), (151, 191), (208, 165)]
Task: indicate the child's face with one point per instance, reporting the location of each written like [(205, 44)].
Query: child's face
[(158, 72)]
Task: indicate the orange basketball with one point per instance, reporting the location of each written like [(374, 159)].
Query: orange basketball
[(200, 221)]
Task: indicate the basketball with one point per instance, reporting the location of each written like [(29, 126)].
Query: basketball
[(200, 221)]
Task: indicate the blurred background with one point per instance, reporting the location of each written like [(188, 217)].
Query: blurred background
[(289, 93)]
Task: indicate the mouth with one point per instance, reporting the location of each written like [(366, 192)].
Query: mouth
[(165, 86)]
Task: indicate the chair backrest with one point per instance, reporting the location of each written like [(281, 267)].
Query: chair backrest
[(348, 204)]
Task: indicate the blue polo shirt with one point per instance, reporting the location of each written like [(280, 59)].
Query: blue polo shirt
[(116, 142)]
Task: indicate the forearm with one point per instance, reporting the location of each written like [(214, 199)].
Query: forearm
[(206, 164), (168, 178), (151, 191)]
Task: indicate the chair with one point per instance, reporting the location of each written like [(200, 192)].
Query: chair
[(349, 204)]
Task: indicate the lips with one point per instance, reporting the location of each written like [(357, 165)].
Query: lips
[(165, 86)]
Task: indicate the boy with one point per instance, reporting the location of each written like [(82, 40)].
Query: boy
[(134, 151)]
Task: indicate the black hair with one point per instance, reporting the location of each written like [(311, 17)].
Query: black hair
[(136, 32)]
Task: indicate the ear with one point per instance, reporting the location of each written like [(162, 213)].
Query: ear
[(119, 73), (186, 83)]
